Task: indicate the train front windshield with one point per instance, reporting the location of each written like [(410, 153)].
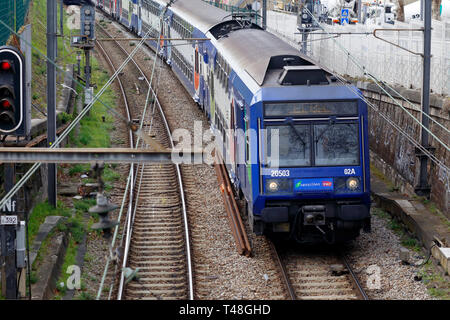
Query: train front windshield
[(312, 134)]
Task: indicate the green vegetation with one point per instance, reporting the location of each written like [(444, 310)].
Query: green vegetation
[(377, 173), (69, 260), (438, 286), (93, 132), (40, 212), (396, 226)]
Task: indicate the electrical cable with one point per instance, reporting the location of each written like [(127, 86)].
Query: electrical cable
[(74, 122), (377, 82), (130, 216), (411, 139)]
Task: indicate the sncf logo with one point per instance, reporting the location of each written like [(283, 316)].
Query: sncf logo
[(327, 184)]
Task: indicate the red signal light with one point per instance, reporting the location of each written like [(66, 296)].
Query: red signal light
[(5, 66), (6, 104)]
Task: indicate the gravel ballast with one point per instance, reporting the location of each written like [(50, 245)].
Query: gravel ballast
[(220, 273)]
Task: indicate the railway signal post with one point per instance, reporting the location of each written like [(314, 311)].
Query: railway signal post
[(12, 92), (14, 116), (52, 47), (88, 35)]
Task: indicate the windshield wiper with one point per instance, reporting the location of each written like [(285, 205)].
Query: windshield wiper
[(331, 123), (299, 135)]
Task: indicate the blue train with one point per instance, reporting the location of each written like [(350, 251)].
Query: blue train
[(294, 139)]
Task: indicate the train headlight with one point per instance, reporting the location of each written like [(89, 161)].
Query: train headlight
[(279, 186), (353, 183), (273, 186)]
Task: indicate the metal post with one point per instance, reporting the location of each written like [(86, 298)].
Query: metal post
[(423, 186), (61, 19), (87, 72), (51, 94), (359, 8), (264, 14), (421, 9), (304, 42), (9, 238)]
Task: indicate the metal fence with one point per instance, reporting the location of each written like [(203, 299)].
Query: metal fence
[(383, 60), (13, 13), (235, 9)]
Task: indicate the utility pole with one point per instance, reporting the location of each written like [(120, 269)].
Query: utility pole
[(424, 188), (9, 240), (359, 8), (87, 72), (421, 9), (264, 14), (51, 94)]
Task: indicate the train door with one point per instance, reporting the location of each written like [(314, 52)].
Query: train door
[(205, 80), (197, 72), (232, 136), (139, 17), (162, 42), (239, 136), (211, 92), (130, 14), (168, 43)]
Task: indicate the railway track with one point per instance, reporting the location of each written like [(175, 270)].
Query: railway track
[(317, 276), (158, 235)]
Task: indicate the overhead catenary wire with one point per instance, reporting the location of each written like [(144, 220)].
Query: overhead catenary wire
[(377, 82), (72, 125), (392, 123), (396, 126)]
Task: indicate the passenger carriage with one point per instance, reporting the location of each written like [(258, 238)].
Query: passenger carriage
[(314, 185)]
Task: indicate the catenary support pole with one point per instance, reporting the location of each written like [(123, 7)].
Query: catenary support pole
[(264, 14), (423, 187), (9, 237), (51, 94), (359, 13)]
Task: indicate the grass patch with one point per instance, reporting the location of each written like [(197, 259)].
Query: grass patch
[(40, 212), (110, 175), (78, 169), (84, 205), (398, 228), (69, 260), (377, 173), (85, 296), (438, 286)]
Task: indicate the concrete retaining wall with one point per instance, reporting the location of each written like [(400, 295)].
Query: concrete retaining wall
[(394, 154)]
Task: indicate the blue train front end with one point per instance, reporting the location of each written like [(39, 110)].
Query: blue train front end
[(313, 164)]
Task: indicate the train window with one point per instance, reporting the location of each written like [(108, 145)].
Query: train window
[(247, 141), (336, 144), (197, 67), (288, 145), (286, 109)]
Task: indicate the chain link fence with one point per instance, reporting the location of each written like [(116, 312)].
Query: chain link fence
[(383, 60), (13, 13)]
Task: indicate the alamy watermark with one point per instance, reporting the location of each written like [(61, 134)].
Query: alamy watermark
[(74, 280), (374, 279)]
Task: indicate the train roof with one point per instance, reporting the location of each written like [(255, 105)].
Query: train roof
[(264, 56), (199, 13)]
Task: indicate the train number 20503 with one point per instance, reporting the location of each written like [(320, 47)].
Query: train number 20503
[(280, 173)]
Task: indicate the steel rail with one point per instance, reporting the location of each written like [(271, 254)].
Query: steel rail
[(284, 274), (234, 217), (130, 181), (180, 181), (357, 287), (355, 282)]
